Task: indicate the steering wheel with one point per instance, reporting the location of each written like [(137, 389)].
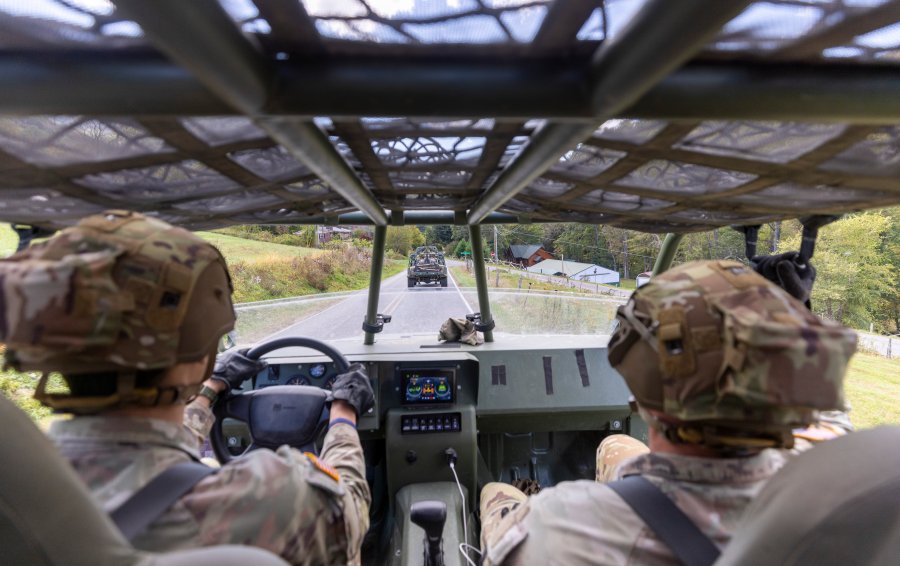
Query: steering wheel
[(280, 414)]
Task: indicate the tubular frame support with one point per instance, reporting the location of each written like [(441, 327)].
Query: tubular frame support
[(409, 217), (139, 84), (200, 36), (375, 281), (667, 253), (306, 141), (546, 145), (654, 42), (484, 303)]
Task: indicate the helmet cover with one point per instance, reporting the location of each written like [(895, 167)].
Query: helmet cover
[(118, 291), (713, 342)]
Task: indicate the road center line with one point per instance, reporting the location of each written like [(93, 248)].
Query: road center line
[(393, 305)]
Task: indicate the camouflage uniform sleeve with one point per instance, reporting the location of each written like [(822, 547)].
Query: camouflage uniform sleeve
[(199, 420), (343, 452), (283, 501)]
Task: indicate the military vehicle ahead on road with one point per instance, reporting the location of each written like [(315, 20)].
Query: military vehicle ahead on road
[(651, 115), (426, 265)]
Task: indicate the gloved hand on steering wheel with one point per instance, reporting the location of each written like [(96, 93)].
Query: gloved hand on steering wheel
[(233, 368), (354, 388)]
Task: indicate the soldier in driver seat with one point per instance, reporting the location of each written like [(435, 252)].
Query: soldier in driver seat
[(130, 311), (723, 365)]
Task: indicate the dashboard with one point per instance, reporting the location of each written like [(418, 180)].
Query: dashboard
[(530, 383), (429, 400), (319, 374)]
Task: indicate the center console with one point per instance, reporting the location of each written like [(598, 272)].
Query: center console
[(431, 410)]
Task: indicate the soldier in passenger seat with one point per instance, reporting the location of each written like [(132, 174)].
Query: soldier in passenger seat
[(130, 311), (723, 366), (797, 278)]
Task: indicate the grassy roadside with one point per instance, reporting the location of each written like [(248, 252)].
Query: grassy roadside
[(872, 388), (263, 271), (628, 284), (8, 240), (281, 277), (241, 249), (508, 280)]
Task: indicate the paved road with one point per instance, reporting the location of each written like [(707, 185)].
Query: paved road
[(419, 309)]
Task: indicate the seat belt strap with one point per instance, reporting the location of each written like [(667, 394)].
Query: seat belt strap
[(151, 501), (686, 541)]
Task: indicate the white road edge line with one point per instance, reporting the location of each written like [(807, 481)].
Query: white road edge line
[(455, 286)]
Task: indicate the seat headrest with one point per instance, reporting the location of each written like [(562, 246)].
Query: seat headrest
[(835, 504)]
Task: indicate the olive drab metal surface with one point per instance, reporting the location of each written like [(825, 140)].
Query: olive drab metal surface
[(714, 342)]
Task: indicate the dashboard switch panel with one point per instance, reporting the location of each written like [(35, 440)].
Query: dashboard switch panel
[(419, 424)]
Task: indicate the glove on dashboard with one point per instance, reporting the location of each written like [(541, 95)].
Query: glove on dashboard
[(353, 387), (234, 367), (786, 271)]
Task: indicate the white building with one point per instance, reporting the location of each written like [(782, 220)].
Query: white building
[(577, 271), (643, 278)]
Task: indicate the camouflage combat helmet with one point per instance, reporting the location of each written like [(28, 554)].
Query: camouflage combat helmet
[(727, 357), (118, 293)]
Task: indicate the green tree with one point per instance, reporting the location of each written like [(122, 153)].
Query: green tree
[(307, 235), (888, 313), (439, 235), (852, 273), (462, 247), (404, 239)]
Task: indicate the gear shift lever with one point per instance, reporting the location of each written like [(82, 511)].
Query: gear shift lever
[(430, 515)]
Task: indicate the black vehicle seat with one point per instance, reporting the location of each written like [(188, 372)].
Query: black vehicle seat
[(839, 503), (47, 516)]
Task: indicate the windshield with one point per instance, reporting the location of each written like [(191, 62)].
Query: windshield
[(539, 306)]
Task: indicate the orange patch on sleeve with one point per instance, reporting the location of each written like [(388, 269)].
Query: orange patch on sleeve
[(322, 467)]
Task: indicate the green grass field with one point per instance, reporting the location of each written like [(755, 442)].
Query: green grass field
[(508, 280), (873, 390), (241, 249), (8, 240), (234, 249)]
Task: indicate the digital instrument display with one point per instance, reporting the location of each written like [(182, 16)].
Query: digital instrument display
[(427, 386)]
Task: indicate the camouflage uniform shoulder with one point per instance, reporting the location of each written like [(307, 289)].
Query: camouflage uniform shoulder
[(281, 501)]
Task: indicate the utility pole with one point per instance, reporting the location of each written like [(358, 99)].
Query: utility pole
[(496, 255)]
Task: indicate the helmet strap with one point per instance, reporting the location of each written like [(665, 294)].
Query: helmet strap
[(126, 394), (646, 333), (729, 440)]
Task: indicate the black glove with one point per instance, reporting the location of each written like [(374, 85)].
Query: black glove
[(353, 387), (234, 367), (786, 271)]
